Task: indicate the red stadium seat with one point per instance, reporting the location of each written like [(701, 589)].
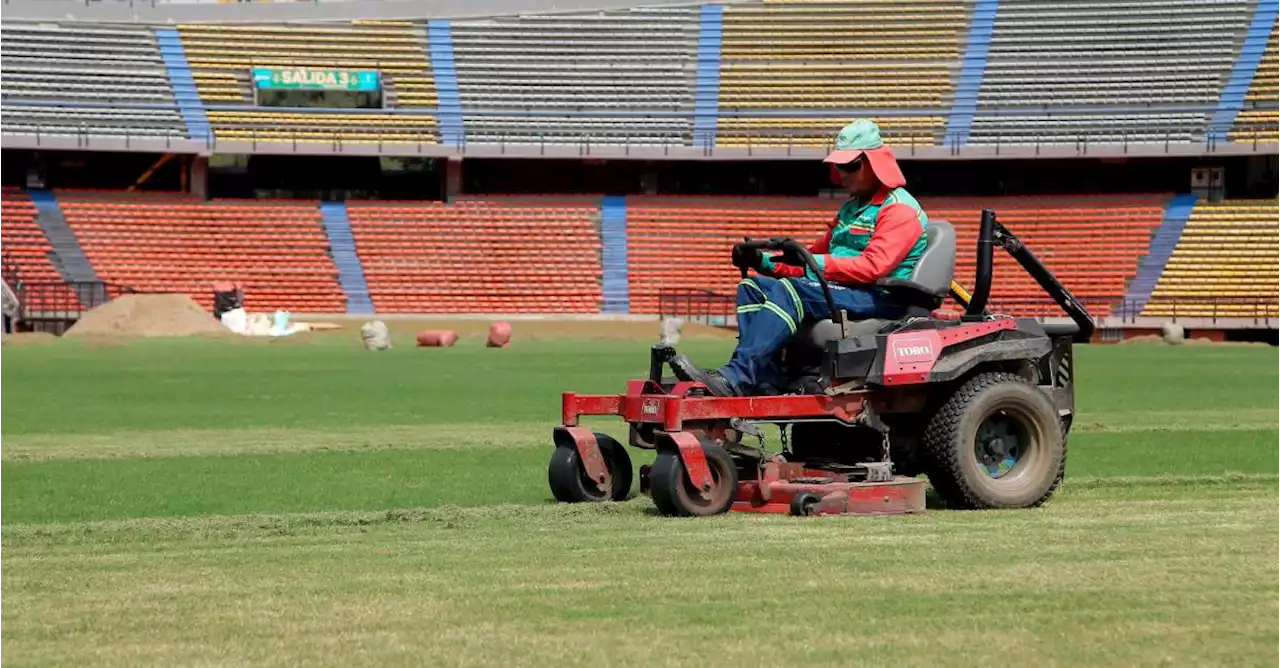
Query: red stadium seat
[(490, 255), (27, 254), (276, 249), (1092, 243)]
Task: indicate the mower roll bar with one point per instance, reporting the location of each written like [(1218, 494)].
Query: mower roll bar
[(787, 244), (991, 234)]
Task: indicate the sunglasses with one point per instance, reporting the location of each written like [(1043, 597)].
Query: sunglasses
[(851, 167)]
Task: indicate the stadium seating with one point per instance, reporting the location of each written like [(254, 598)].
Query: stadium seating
[(222, 57), (559, 65), (1265, 87), (277, 250), (27, 254), (1093, 72), (75, 78), (1092, 243), (683, 242), (1049, 62), (1261, 125), (491, 255), (1225, 263), (320, 127), (851, 54)]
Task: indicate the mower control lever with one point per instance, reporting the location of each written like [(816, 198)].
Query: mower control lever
[(788, 246)]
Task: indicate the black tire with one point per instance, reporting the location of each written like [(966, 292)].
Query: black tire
[(805, 504), (568, 479), (675, 496), (964, 472)]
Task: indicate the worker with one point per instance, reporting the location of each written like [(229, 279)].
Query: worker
[(878, 233)]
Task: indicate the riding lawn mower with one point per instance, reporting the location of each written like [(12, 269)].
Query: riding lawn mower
[(981, 405)]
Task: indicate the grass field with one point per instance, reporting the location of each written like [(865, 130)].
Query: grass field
[(307, 502)]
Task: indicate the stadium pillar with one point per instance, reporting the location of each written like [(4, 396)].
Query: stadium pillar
[(452, 178), (198, 176)]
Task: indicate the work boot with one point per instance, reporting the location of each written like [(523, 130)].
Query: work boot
[(686, 370)]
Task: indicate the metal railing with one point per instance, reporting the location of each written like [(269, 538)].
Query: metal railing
[(9, 271), (156, 3), (773, 142), (720, 309), (53, 306), (701, 306), (151, 3), (1259, 310), (9, 268)]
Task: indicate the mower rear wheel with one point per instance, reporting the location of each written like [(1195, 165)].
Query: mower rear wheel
[(568, 478), (675, 496), (995, 443)]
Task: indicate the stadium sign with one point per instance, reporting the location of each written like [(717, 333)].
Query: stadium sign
[(306, 78)]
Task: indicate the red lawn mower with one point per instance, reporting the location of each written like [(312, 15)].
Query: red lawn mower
[(981, 405)]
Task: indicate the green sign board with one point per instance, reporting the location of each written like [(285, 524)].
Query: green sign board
[(306, 78)]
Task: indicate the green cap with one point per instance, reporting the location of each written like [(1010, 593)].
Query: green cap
[(860, 135)]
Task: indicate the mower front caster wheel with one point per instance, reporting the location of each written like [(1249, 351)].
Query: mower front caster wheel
[(568, 478), (674, 494), (805, 504)]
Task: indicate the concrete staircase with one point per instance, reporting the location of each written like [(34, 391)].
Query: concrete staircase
[(613, 261), (68, 256), (1163, 242), (185, 94), (343, 245)]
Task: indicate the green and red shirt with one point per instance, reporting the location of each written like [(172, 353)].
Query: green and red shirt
[(866, 241)]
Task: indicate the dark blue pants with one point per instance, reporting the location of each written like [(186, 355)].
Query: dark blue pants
[(771, 309)]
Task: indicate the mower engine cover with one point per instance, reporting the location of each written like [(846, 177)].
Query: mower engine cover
[(924, 351)]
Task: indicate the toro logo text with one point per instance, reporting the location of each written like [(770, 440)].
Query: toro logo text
[(911, 350)]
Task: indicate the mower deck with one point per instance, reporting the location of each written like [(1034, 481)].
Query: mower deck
[(789, 488), (777, 486)]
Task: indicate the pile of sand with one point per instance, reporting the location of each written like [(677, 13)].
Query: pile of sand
[(1199, 341), (28, 339), (147, 315), (1142, 338)]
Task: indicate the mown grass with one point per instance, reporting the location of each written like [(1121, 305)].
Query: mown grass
[(95, 489), (177, 384), (192, 428), (1179, 574), (310, 503)]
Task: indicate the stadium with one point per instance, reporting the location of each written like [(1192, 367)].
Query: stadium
[(586, 173)]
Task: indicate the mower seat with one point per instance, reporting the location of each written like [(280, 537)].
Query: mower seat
[(931, 278), (819, 332), (928, 285)]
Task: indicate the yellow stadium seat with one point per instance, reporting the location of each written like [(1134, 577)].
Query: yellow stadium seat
[(322, 127), (219, 54), (1228, 252), (817, 132), (1261, 126), (786, 55)]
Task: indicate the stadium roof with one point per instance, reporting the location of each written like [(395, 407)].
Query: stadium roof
[(159, 12)]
